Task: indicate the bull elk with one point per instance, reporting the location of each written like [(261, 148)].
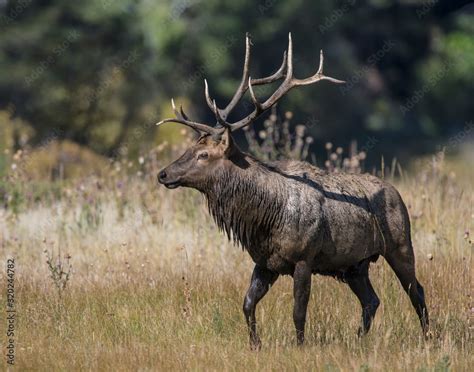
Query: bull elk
[(291, 217)]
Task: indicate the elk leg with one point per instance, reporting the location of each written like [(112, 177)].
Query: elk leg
[(260, 283), (359, 283), (301, 292), (402, 261)]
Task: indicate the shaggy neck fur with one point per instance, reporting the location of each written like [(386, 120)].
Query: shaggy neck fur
[(247, 202)]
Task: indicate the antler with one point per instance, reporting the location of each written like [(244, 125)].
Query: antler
[(247, 82), (289, 83)]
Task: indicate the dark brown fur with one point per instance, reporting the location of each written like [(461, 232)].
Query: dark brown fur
[(291, 217), (295, 219)]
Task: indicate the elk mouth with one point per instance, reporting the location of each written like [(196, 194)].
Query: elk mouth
[(172, 185), (167, 181)]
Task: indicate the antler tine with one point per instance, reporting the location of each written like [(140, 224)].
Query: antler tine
[(181, 118), (185, 117), (217, 113), (252, 95), (317, 76), (280, 73), (289, 65), (243, 83), (176, 112), (208, 97), (321, 62)]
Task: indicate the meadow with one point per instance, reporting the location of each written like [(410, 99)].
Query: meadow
[(113, 272)]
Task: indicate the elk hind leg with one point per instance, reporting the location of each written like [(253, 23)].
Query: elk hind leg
[(402, 261), (359, 282)]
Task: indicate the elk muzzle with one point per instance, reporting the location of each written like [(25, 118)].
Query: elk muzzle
[(165, 179)]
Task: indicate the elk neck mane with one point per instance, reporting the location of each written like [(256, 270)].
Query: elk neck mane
[(248, 203)]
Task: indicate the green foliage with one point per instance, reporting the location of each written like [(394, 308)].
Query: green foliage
[(98, 72)]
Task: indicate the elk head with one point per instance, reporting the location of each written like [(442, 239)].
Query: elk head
[(215, 147)]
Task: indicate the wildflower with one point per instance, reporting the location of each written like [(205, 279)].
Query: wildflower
[(328, 146), (17, 155), (354, 162), (141, 160)]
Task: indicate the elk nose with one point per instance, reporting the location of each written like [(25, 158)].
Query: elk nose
[(162, 175)]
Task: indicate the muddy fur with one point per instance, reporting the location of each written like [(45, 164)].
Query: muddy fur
[(296, 219), (338, 220)]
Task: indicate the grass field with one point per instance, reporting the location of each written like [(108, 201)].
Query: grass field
[(152, 284)]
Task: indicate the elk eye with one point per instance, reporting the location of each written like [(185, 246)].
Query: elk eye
[(203, 156)]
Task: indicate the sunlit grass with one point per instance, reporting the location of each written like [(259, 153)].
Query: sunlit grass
[(155, 286)]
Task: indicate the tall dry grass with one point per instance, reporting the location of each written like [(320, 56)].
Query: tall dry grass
[(154, 286)]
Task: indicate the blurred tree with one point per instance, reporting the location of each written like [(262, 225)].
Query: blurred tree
[(100, 73), (82, 70)]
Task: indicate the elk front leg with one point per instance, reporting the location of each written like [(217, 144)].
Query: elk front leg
[(301, 291), (260, 283)]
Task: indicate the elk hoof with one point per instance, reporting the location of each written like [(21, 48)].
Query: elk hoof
[(255, 344), (361, 332)]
